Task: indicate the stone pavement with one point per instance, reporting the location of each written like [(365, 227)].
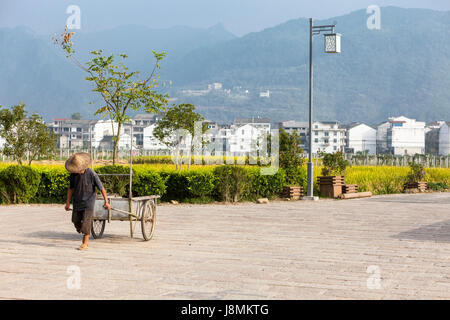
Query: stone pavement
[(388, 247)]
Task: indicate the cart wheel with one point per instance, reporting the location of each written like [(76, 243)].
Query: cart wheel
[(98, 226), (148, 220)]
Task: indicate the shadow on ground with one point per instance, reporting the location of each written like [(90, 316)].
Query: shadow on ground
[(57, 235), (437, 232)]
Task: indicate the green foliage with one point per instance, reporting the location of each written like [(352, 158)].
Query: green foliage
[(118, 185), (176, 182), (231, 182), (53, 186), (201, 183), (437, 186), (417, 173), (264, 186), (334, 164), (76, 116), (290, 159), (149, 183), (18, 184), (27, 138), (120, 89)]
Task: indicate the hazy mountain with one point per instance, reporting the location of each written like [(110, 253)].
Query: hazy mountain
[(401, 69), (35, 71)]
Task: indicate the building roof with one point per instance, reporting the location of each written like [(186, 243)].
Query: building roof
[(147, 116), (251, 120)]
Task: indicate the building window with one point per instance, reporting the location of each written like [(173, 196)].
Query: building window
[(316, 140), (316, 133), (335, 140), (243, 132), (335, 148), (326, 141), (327, 133), (335, 133)]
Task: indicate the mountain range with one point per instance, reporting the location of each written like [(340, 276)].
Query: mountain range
[(401, 69)]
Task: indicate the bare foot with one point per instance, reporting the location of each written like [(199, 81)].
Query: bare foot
[(83, 247)]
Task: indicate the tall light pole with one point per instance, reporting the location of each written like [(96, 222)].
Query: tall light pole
[(332, 45)]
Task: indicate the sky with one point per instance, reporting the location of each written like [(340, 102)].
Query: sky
[(238, 16)]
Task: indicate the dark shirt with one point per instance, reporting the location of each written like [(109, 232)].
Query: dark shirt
[(83, 186)]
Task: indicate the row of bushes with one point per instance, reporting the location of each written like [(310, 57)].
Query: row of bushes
[(41, 184), (24, 184)]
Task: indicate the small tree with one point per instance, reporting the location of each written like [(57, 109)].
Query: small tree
[(26, 138), (334, 164), (178, 117), (290, 155), (120, 88), (417, 173), (76, 116)]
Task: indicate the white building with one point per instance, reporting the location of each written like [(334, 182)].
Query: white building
[(361, 138), (444, 139), (406, 136), (150, 141), (259, 123), (102, 130), (125, 142), (328, 137), (382, 129), (2, 142), (244, 138)]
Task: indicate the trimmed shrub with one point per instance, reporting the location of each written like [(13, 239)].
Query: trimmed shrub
[(18, 184), (176, 185), (231, 182), (53, 186), (264, 186), (201, 183), (149, 183)]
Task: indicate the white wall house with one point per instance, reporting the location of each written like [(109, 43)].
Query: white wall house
[(406, 136), (244, 138), (327, 137), (444, 139), (103, 129), (361, 137), (125, 142), (150, 141)]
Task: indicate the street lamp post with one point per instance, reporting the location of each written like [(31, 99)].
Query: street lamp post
[(332, 45)]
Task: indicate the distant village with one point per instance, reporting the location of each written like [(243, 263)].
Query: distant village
[(396, 135)]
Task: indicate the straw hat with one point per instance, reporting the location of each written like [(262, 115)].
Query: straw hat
[(78, 162)]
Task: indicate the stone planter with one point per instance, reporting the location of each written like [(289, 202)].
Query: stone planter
[(293, 192), (410, 187), (331, 186)]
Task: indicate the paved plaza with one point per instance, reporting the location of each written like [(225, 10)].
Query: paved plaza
[(387, 247)]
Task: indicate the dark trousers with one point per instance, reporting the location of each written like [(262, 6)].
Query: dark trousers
[(82, 221)]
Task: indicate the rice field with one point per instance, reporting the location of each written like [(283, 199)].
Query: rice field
[(377, 179)]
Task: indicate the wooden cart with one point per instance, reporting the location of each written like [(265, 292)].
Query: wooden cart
[(139, 210)]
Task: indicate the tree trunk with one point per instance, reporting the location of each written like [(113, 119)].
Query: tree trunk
[(116, 144)]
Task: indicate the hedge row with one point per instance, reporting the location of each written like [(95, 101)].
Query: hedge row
[(24, 184), (48, 184)]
